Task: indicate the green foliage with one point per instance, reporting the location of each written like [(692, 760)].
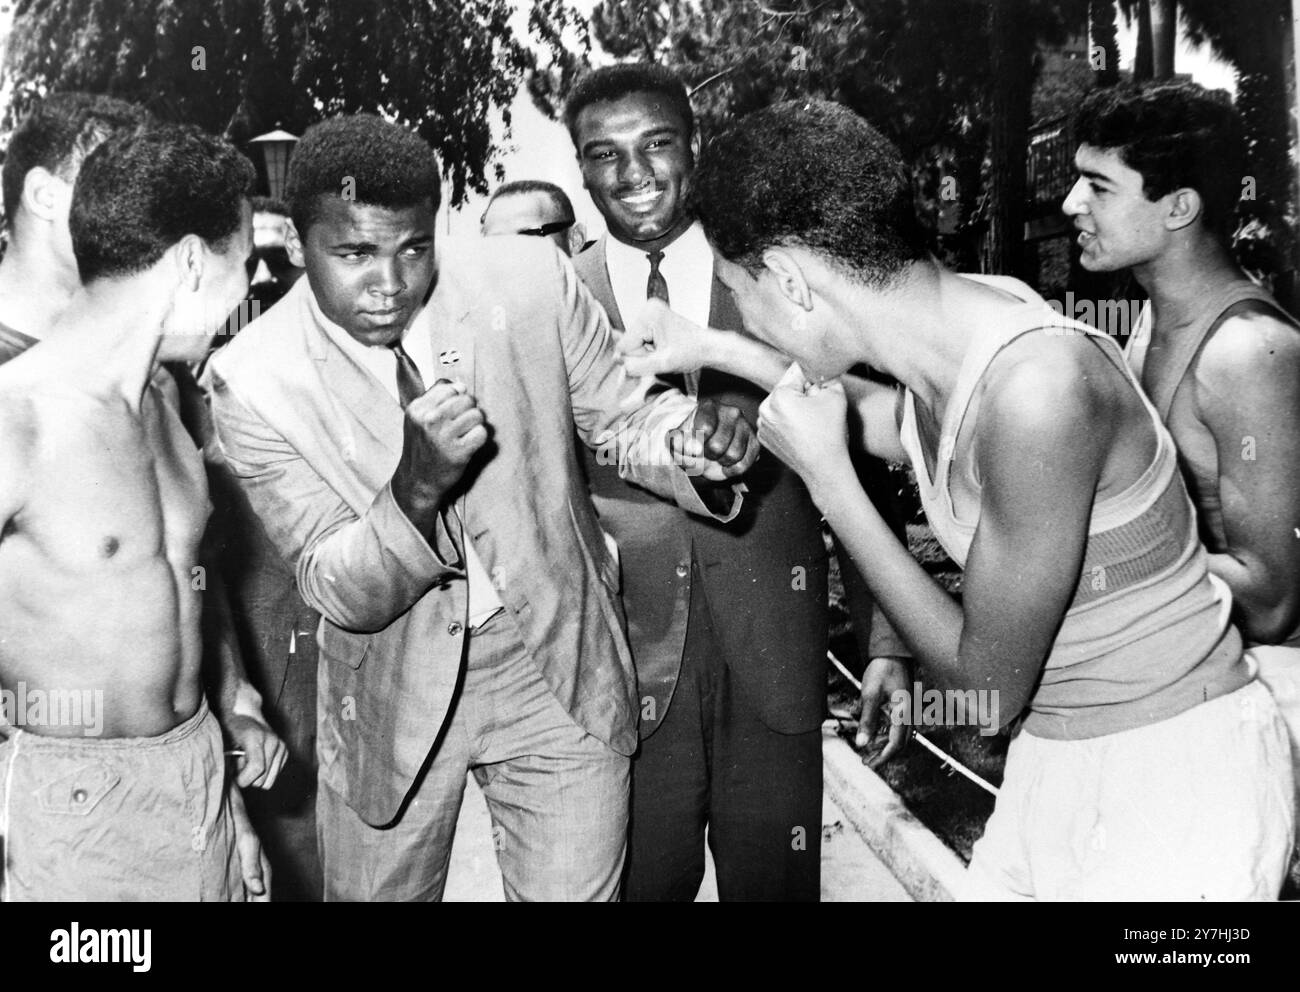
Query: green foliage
[(442, 67)]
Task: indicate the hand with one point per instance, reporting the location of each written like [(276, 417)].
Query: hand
[(885, 689), (806, 426), (443, 430), (720, 443), (659, 341), (264, 753), (253, 866)]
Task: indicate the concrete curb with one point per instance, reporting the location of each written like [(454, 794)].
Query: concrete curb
[(922, 863)]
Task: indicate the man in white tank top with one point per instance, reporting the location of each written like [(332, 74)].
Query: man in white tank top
[(1150, 765), (1160, 171)]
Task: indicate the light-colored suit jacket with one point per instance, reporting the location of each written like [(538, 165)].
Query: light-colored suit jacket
[(314, 439)]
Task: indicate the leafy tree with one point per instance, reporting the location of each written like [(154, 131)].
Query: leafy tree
[(1254, 35), (441, 67)]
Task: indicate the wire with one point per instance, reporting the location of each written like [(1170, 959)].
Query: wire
[(938, 752)]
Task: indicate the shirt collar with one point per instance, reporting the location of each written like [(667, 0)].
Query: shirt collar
[(361, 352), (691, 243)]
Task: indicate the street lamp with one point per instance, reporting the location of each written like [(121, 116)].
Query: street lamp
[(275, 147)]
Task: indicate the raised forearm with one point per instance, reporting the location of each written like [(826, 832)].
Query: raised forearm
[(364, 574), (745, 358)]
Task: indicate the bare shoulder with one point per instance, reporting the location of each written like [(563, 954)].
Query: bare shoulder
[(1042, 434), (1251, 350), (1046, 383)]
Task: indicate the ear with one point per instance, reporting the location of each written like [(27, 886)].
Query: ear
[(1185, 208), (577, 238), (43, 191), (695, 145), (190, 259), (790, 278), (293, 244)]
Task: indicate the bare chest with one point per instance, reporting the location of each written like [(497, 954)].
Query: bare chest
[(112, 489)]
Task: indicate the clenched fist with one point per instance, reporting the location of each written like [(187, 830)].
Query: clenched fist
[(443, 430), (719, 444)]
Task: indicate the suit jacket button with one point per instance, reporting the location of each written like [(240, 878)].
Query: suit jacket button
[(683, 569), (454, 628)]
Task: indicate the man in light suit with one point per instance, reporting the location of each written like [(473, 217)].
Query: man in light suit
[(728, 625), (470, 618)]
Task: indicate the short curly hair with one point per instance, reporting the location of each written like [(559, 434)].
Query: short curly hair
[(1176, 135), (388, 166), (613, 82), (809, 173), (58, 133), (140, 192)]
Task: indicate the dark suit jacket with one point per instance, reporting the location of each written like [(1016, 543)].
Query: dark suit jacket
[(314, 439), (764, 573)]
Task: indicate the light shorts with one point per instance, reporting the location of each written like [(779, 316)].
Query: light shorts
[(118, 819), (1279, 669), (1195, 807)]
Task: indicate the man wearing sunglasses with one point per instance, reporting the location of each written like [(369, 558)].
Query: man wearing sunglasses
[(270, 272), (536, 208)]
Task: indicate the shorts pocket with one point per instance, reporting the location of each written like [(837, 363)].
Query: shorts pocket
[(79, 791)]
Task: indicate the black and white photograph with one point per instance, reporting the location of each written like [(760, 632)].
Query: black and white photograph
[(645, 451)]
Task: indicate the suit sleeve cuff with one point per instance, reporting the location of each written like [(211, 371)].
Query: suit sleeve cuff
[(688, 498), (433, 556)]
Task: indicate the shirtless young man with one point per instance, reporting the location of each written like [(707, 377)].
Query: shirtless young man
[(103, 502), (1161, 170), (1150, 764)]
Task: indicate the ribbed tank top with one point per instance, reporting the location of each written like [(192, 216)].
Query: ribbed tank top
[(1147, 634)]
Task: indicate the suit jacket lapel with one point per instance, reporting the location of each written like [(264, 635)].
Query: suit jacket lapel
[(595, 273), (364, 409), (449, 319), (450, 328), (723, 312)]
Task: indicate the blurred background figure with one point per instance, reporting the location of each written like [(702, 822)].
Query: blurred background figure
[(530, 206), (39, 272), (270, 271)]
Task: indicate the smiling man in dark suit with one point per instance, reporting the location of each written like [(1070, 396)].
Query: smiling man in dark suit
[(414, 461), (728, 625)]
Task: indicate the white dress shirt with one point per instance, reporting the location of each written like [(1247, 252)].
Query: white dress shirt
[(381, 362), (687, 268)]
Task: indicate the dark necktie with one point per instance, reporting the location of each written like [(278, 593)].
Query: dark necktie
[(410, 384), (410, 387), (656, 288)]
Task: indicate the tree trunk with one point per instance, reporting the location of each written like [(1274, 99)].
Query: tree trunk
[(1011, 43), (1164, 31), (1142, 61), (1105, 45)]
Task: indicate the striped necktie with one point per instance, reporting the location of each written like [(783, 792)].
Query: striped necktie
[(410, 384), (656, 288)]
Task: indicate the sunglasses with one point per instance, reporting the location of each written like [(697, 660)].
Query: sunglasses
[(546, 230)]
